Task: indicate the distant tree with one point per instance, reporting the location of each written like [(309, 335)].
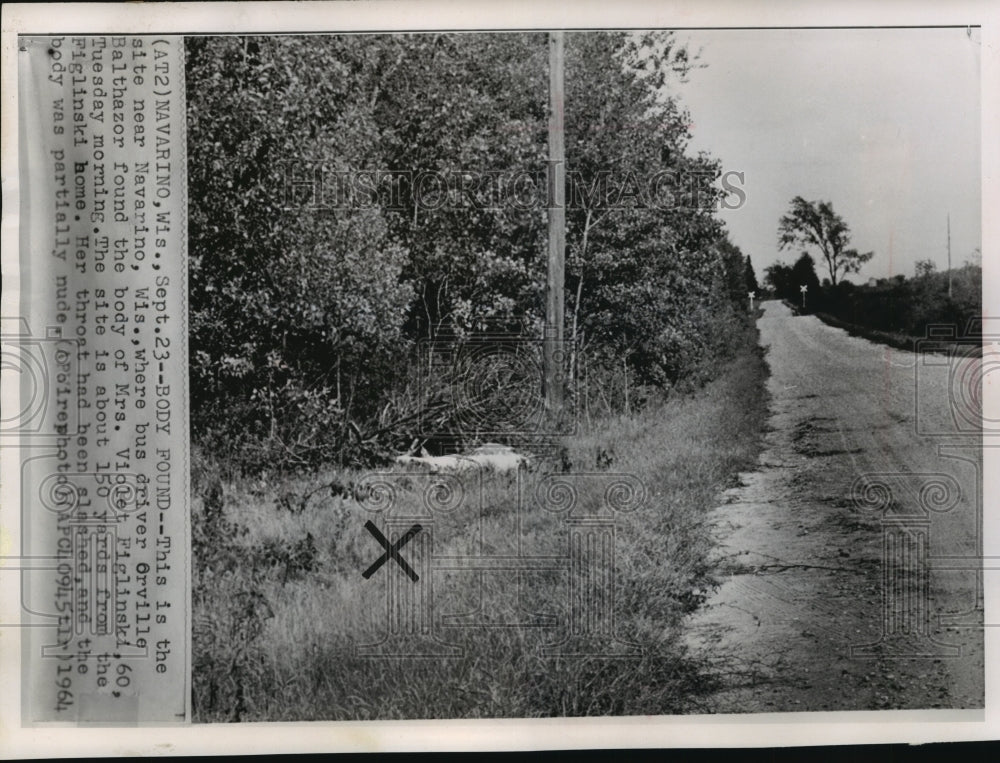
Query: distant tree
[(814, 223), (804, 274), (925, 268), (778, 278), (751, 277)]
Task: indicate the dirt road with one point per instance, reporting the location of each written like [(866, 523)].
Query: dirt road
[(844, 559)]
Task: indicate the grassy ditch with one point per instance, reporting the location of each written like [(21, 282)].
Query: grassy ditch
[(966, 344), (280, 604)]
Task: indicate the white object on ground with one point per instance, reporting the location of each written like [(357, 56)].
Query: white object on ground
[(498, 458)]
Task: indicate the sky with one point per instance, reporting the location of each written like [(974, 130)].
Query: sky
[(884, 123)]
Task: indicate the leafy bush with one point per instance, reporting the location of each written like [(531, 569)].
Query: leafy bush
[(305, 310), (909, 305)]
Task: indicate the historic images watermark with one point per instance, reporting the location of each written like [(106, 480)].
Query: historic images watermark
[(318, 186), (418, 514), (906, 503), (491, 385), (47, 367), (958, 360), (433, 526)]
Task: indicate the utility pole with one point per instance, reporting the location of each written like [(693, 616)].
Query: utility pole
[(554, 302), (949, 255)]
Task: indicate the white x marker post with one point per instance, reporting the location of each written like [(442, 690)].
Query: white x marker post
[(803, 288), (753, 296)]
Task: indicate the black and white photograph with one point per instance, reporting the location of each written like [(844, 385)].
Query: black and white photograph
[(584, 373), (426, 375)]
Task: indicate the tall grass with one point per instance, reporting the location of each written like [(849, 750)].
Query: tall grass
[(281, 606)]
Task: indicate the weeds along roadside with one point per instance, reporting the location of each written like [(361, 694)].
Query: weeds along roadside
[(280, 604)]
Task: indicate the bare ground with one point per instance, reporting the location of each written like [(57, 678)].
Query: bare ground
[(807, 575)]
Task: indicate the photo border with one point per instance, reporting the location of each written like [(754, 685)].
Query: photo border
[(814, 728)]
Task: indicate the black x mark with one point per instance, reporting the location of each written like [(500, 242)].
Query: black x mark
[(391, 552)]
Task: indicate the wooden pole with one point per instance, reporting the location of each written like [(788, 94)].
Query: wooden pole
[(949, 255), (554, 300)]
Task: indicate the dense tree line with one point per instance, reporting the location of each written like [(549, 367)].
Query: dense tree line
[(909, 306), (785, 281), (353, 195), (898, 305)]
